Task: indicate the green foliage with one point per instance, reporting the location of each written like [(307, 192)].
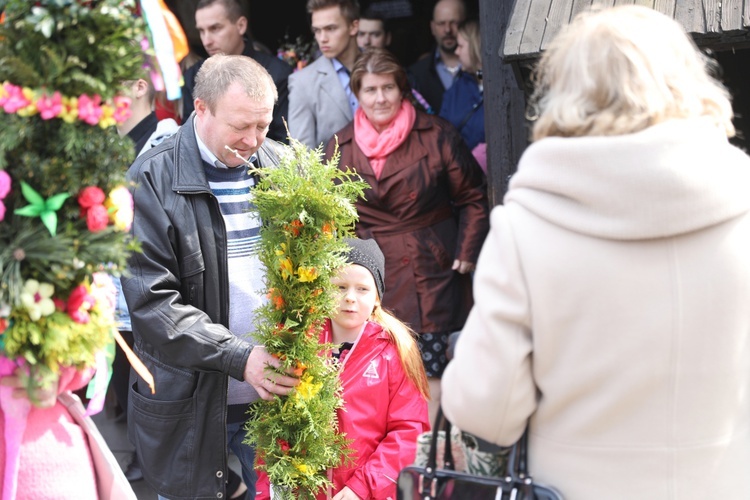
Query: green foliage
[(56, 340), (307, 207), (75, 47)]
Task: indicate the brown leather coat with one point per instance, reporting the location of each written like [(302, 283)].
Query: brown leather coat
[(428, 208)]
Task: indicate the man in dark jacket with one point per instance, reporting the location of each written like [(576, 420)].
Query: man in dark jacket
[(222, 29), (194, 288), (435, 72)]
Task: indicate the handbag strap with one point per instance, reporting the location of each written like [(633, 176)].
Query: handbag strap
[(440, 421), (470, 113), (518, 465)]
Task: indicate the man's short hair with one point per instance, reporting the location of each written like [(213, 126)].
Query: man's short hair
[(373, 15), (349, 8), (233, 8), (219, 72)]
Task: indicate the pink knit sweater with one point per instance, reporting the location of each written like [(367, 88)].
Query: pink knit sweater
[(54, 455)]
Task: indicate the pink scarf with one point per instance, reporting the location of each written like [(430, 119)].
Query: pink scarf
[(377, 146)]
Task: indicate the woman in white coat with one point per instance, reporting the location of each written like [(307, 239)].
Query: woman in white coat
[(612, 296)]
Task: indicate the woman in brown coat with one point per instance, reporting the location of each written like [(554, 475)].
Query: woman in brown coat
[(426, 206)]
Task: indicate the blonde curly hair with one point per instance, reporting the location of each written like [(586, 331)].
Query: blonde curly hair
[(621, 70)]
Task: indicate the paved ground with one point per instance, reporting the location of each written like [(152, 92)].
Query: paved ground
[(115, 433)]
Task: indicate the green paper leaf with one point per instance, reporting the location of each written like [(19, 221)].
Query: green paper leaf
[(56, 201), (31, 196), (29, 210), (49, 219)]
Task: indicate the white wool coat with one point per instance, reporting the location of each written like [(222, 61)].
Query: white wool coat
[(612, 309)]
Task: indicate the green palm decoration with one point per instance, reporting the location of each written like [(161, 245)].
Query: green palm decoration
[(39, 207)]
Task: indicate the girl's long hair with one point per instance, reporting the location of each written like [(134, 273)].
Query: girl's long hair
[(405, 341)]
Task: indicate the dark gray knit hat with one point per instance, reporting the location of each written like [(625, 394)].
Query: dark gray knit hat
[(366, 253)]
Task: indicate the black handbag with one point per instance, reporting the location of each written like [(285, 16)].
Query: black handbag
[(433, 483)]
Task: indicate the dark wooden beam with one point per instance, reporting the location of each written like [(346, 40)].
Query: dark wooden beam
[(504, 103)]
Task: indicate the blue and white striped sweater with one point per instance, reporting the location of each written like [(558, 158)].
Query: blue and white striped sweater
[(232, 188)]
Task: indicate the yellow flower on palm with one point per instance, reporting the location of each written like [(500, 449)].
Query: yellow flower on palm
[(307, 389), (69, 111), (286, 267), (108, 116), (31, 109), (307, 274), (304, 469)]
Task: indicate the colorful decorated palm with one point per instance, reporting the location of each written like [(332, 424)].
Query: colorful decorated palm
[(307, 207), (65, 211)]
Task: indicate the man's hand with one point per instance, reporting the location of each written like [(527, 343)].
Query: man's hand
[(260, 374), (346, 494), (462, 266)]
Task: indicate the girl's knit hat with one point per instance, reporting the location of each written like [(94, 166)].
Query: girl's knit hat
[(367, 253)]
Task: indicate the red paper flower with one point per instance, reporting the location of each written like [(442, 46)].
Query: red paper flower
[(284, 445), (97, 218), (79, 304), (89, 197)]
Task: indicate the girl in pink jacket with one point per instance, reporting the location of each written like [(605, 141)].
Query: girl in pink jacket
[(385, 386)]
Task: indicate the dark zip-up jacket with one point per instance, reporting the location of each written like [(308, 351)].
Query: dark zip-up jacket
[(178, 295)]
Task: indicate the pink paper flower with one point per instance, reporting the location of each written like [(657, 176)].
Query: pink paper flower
[(97, 218), (80, 303), (4, 184), (122, 108), (49, 106), (15, 100), (89, 108), (104, 292)]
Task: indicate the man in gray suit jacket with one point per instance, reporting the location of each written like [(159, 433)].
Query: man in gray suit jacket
[(320, 100)]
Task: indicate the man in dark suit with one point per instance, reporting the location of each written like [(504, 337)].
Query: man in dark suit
[(222, 29), (435, 72)]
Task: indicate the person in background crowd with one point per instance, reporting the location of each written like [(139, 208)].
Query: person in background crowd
[(427, 206), (385, 386), (434, 73), (373, 31), (611, 295), (222, 29), (146, 131), (320, 98), (193, 290), (463, 103), (143, 127)]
